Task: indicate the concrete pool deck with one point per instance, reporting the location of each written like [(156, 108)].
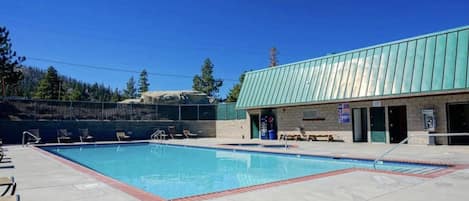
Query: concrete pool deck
[(41, 177)]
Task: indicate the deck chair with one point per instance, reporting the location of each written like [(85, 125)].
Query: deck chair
[(3, 158), (173, 133), (10, 198), (1, 145), (10, 183), (63, 135), (314, 137), (34, 140), (122, 135), (85, 135), (288, 136), (186, 132)]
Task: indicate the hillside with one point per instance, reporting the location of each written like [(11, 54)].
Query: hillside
[(72, 88)]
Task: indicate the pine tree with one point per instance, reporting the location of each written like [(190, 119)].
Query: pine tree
[(234, 92), (206, 82), (76, 94), (130, 91), (49, 86), (10, 64), (116, 96), (143, 82)]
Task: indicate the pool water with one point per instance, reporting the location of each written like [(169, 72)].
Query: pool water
[(172, 171)]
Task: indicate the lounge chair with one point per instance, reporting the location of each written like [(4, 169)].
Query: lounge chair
[(122, 135), (188, 133), (3, 159), (85, 135), (1, 145), (328, 137), (173, 133), (63, 136), (294, 136), (10, 183), (10, 198)]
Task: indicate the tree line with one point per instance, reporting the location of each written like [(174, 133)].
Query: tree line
[(21, 81)]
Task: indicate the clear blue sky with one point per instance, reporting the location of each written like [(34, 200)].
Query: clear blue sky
[(174, 37)]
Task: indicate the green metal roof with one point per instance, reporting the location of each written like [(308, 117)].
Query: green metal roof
[(425, 64)]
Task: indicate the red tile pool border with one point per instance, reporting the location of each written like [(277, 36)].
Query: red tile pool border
[(145, 196)]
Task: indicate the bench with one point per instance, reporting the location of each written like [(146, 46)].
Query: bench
[(315, 137)]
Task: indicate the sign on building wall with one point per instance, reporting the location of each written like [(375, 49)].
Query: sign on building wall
[(344, 113), (376, 103)]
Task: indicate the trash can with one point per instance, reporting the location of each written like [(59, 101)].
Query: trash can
[(272, 135), (264, 135)]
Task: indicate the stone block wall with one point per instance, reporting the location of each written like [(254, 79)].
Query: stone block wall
[(289, 119), (237, 129)]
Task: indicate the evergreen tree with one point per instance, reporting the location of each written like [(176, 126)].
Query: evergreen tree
[(49, 86), (116, 96), (234, 92), (130, 91), (10, 64), (206, 82), (143, 82), (76, 94), (73, 89)]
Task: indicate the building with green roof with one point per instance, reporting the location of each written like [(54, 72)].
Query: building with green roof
[(378, 94)]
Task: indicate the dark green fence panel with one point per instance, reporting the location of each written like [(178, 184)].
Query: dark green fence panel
[(168, 112), (52, 110), (230, 111), (221, 112), (241, 114), (227, 111), (188, 112), (18, 109), (110, 111), (207, 112), (85, 110), (143, 112)]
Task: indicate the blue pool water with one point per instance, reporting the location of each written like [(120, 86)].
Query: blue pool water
[(171, 171)]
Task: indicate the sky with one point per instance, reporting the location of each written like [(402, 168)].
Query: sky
[(171, 39)]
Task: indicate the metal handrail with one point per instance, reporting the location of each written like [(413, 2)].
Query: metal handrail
[(158, 135), (38, 139), (381, 156)]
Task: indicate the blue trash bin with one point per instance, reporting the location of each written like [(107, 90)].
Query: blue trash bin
[(272, 135), (264, 135)]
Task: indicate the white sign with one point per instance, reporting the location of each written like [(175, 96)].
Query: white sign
[(376, 103)]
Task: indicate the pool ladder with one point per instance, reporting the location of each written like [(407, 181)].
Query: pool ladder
[(379, 159), (158, 135), (27, 133)]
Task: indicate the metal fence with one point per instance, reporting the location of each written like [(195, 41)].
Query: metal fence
[(18, 109)]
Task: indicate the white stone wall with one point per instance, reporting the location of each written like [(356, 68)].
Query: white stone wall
[(233, 129)]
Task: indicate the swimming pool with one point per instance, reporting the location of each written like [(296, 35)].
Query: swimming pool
[(173, 171)]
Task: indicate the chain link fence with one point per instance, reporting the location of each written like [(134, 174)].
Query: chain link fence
[(19, 109)]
